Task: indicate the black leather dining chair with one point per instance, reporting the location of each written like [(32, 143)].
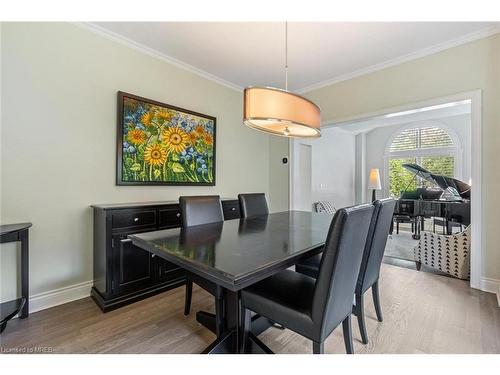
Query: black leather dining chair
[(253, 204), (201, 209), (315, 307), (198, 210), (370, 266)]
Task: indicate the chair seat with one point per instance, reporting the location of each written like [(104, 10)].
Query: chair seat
[(285, 298)]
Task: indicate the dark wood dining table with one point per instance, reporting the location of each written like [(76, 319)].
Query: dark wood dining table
[(235, 254)]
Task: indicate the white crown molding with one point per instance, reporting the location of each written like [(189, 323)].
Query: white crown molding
[(480, 34), (154, 53)]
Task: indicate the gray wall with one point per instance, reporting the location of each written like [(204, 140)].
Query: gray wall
[(278, 174), (59, 84)]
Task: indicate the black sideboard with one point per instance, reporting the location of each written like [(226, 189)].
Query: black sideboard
[(124, 273)]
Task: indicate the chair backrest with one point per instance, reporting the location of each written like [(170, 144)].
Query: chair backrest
[(253, 204), (375, 243), (324, 206), (198, 210), (339, 267)]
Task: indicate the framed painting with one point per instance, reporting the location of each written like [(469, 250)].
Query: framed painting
[(159, 144)]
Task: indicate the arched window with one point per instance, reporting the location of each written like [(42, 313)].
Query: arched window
[(427, 145)]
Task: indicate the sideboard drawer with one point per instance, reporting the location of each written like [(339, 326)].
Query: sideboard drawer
[(133, 218), (231, 209), (170, 217)]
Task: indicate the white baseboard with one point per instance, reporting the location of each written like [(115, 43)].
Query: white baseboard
[(59, 296), (74, 292), (492, 286)]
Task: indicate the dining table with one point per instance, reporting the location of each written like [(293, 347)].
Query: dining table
[(234, 255)]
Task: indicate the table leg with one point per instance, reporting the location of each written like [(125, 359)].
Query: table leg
[(222, 345), (25, 272), (255, 346), (214, 322), (230, 336), (232, 317), (207, 320), (228, 341)]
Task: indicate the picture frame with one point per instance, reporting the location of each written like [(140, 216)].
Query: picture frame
[(161, 144)]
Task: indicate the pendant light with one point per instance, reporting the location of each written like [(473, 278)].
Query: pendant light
[(281, 112)]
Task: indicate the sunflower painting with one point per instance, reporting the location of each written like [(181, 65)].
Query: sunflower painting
[(163, 145)]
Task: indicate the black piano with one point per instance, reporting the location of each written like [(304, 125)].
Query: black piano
[(449, 200)]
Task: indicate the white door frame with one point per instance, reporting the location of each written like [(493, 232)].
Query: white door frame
[(476, 272)]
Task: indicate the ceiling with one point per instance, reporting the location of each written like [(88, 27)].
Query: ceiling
[(240, 54)]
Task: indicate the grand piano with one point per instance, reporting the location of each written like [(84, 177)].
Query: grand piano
[(448, 200)]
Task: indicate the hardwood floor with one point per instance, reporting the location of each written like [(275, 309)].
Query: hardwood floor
[(423, 313)]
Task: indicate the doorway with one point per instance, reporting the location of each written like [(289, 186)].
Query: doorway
[(448, 158)]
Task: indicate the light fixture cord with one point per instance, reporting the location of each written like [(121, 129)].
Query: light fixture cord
[(286, 55)]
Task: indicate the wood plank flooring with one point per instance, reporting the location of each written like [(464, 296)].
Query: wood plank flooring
[(423, 313)]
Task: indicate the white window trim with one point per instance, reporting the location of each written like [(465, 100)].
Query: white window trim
[(456, 150)]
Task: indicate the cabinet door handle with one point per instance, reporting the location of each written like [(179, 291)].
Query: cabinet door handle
[(233, 209), (178, 214), (136, 219), (125, 240)]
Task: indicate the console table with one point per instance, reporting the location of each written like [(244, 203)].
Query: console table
[(8, 310)]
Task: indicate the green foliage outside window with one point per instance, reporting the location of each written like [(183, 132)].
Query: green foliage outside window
[(444, 165), (400, 179), (430, 137)]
